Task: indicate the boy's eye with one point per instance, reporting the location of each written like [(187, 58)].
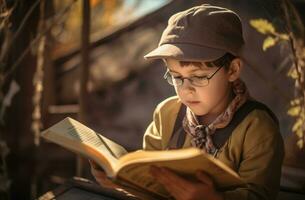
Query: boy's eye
[(199, 77)]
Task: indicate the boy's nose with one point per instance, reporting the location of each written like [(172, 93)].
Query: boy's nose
[(187, 86)]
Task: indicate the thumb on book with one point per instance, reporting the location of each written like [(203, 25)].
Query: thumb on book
[(93, 164)]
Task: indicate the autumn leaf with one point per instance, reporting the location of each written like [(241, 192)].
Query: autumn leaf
[(263, 26), (292, 73), (299, 133), (295, 102), (269, 42), (300, 144), (297, 125), (294, 111)]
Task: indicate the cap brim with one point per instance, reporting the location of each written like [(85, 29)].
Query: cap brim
[(186, 52)]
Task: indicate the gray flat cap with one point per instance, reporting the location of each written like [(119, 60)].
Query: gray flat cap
[(201, 33)]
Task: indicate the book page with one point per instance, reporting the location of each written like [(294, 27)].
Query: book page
[(70, 132), (134, 168)]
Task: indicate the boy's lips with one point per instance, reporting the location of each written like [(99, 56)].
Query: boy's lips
[(192, 102)]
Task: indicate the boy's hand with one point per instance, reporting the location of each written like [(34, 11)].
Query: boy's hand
[(101, 177), (183, 189)]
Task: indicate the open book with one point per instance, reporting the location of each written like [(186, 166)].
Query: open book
[(132, 169)]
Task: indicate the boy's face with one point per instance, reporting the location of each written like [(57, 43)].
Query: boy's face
[(201, 100)]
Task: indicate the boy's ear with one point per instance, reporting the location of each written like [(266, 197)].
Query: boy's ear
[(235, 69)]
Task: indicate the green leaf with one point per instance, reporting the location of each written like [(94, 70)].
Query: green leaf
[(263, 26), (269, 42), (294, 111)]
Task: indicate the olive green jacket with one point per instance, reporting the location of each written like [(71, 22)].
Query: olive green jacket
[(254, 150)]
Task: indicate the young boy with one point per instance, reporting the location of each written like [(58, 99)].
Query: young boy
[(213, 110)]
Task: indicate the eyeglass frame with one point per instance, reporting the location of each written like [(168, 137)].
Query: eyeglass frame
[(190, 78)]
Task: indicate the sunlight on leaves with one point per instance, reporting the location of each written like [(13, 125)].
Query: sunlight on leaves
[(297, 125), (299, 133), (295, 102), (296, 70), (269, 42), (262, 26), (292, 73), (294, 111), (300, 144), (265, 27)]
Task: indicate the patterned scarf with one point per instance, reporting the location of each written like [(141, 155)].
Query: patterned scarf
[(201, 135)]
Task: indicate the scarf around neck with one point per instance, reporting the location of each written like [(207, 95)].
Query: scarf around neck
[(201, 135)]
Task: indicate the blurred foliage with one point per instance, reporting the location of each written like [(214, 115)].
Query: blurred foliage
[(63, 21), (8, 38), (295, 36), (5, 40), (265, 27), (102, 16)]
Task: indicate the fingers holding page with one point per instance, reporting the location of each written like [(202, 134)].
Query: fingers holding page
[(100, 176), (181, 188)]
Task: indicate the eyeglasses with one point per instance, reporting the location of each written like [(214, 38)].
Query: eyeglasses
[(199, 81)]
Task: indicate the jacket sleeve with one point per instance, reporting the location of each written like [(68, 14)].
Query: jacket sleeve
[(159, 130), (152, 138), (260, 165)]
